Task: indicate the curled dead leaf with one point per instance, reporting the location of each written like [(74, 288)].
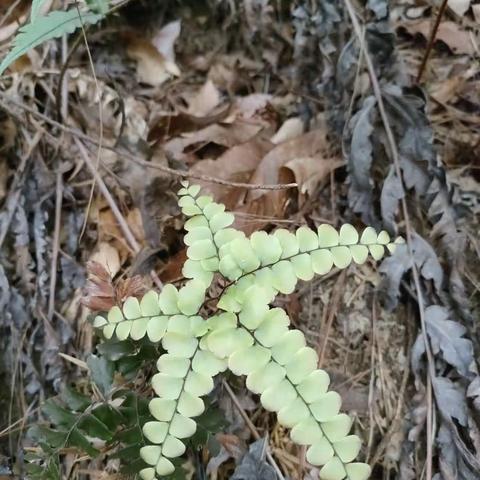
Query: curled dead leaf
[(460, 41)]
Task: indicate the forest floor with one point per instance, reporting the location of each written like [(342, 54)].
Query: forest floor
[(341, 98)]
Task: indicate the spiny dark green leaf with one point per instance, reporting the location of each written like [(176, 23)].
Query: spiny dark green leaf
[(116, 350), (102, 371), (94, 427), (74, 400), (43, 434), (78, 439), (58, 415)]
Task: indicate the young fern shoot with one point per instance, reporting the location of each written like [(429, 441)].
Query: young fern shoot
[(246, 335)]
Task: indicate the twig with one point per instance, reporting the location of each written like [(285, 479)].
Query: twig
[(408, 229), (251, 427), (55, 243), (332, 310), (431, 40), (16, 188), (108, 197), (113, 206), (100, 120), (171, 171)]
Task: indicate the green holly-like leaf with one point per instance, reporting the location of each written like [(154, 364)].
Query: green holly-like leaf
[(246, 335)]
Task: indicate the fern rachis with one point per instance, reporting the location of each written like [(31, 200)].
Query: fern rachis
[(246, 335)]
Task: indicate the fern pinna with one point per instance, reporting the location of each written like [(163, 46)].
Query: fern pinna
[(246, 335)]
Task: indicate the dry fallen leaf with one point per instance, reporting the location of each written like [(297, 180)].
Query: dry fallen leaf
[(448, 89), (310, 171), (164, 40), (204, 101), (223, 135), (266, 205), (291, 128), (459, 7), (107, 256), (311, 144), (476, 12), (459, 41), (152, 67), (236, 165)]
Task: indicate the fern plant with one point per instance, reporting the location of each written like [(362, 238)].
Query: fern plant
[(53, 25), (245, 334)]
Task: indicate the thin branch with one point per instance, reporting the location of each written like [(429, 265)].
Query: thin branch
[(113, 206), (251, 427), (171, 171), (408, 229), (431, 40), (55, 243)]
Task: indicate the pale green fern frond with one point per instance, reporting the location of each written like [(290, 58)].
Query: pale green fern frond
[(283, 371), (186, 374), (46, 27), (156, 314), (247, 335)]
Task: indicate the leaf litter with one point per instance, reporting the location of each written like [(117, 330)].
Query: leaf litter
[(286, 99)]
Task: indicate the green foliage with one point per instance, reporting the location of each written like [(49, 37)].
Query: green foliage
[(245, 334), (53, 25)]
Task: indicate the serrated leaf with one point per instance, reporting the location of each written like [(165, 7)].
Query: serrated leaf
[(44, 28), (36, 9), (102, 371)]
